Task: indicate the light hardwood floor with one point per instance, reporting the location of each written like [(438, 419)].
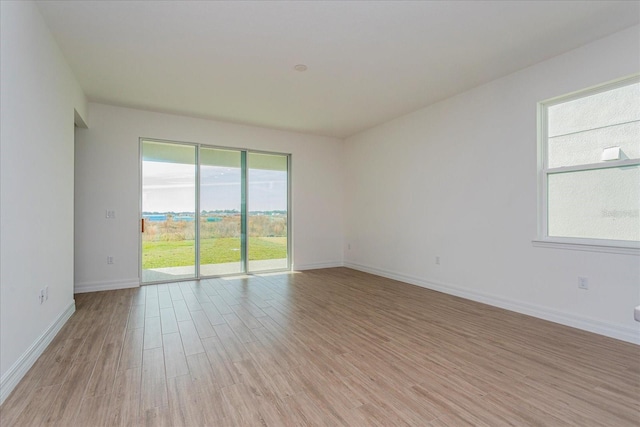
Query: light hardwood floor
[(323, 347)]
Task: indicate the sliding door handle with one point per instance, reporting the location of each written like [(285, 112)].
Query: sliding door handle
[(142, 226)]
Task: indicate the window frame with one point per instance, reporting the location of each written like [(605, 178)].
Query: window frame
[(245, 213), (575, 243)]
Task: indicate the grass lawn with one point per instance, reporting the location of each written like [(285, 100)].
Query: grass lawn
[(213, 251)]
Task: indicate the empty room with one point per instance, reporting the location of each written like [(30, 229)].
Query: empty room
[(310, 213)]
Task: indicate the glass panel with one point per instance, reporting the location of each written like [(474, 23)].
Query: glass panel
[(168, 210), (267, 207), (597, 204), (586, 147), (220, 212), (607, 108)]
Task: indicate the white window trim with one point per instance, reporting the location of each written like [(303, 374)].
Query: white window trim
[(582, 244)]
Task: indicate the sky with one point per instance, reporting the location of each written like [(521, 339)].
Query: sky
[(169, 187)]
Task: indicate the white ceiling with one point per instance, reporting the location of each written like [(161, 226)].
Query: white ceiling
[(369, 61)]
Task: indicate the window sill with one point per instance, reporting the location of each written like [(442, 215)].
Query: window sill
[(610, 249)]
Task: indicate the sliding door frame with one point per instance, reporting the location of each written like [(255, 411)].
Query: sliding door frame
[(244, 216), (289, 216)]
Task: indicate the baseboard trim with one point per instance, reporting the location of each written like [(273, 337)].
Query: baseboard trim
[(106, 285), (602, 328), (12, 377), (318, 265)]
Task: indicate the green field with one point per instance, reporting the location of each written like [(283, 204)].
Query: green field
[(213, 251)]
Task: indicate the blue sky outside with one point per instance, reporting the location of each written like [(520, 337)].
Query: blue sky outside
[(169, 187)]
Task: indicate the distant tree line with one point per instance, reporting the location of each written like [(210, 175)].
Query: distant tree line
[(273, 224), (218, 212)]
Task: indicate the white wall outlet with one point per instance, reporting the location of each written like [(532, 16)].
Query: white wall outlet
[(41, 296), (583, 283), (109, 259), (110, 214), (438, 260)]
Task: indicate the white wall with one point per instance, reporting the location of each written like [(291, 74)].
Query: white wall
[(38, 97), (455, 180), (458, 180), (107, 177)]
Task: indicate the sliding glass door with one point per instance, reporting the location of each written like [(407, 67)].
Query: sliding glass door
[(212, 211), (168, 211), (221, 206), (268, 211)]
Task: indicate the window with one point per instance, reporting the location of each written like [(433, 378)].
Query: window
[(209, 211), (589, 167)]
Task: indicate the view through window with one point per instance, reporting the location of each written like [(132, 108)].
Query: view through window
[(212, 211), (591, 165)]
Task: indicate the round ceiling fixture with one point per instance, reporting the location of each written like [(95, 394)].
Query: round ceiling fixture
[(300, 67)]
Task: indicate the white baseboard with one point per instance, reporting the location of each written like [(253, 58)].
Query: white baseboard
[(12, 377), (106, 285), (610, 330), (317, 265)]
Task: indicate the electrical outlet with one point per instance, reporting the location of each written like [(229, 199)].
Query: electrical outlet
[(109, 260), (110, 214), (41, 296), (583, 283), (438, 260)]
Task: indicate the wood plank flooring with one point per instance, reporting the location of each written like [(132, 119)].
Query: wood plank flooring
[(332, 347)]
